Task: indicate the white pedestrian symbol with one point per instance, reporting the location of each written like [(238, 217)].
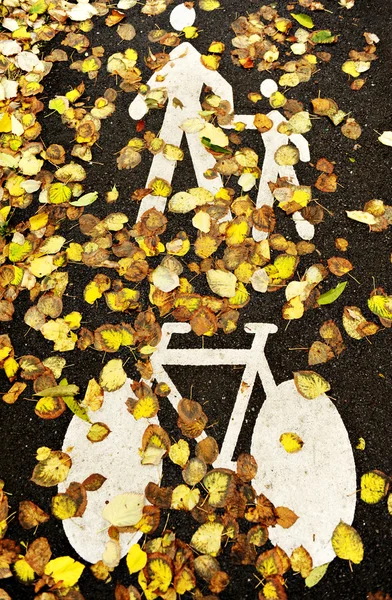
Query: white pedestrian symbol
[(318, 483), (183, 79)]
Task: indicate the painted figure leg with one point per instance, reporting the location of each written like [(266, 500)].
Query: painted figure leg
[(161, 166)]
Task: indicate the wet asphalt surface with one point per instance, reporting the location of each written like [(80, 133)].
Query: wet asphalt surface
[(361, 377)]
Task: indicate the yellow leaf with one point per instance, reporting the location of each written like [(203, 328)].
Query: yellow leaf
[(361, 444), (240, 297), (92, 292), (185, 581), (381, 306), (74, 252), (146, 408), (237, 232), (222, 283), (51, 470), (5, 123), (173, 152), (98, 432), (38, 221), (10, 367), (218, 483), (73, 319), (316, 575), (23, 571), (184, 498), (374, 486), (63, 507), (310, 384), (217, 47), (136, 559), (350, 67), (64, 570), (207, 539), (160, 187), (291, 442), (301, 561), (124, 510), (216, 136), (18, 252), (42, 266), (112, 376), (277, 100), (94, 395), (293, 309), (160, 574), (59, 193), (179, 453), (209, 5), (90, 64), (122, 300), (190, 32), (347, 543), (60, 104)]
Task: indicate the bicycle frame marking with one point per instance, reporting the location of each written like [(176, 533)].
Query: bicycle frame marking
[(255, 364)]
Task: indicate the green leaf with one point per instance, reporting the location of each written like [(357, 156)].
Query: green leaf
[(316, 575), (76, 408), (86, 199), (59, 390), (323, 36), (38, 8), (73, 404), (207, 143), (332, 294), (303, 20)]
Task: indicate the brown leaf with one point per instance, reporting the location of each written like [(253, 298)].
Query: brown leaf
[(246, 467), (264, 218), (339, 266), (330, 333), (327, 183), (319, 353), (14, 392), (93, 482), (38, 555), (325, 166), (219, 581), (351, 129), (77, 492), (158, 496), (207, 449), (285, 517), (121, 592), (30, 515)]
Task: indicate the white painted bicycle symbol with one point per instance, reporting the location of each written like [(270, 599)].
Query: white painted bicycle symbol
[(318, 482)]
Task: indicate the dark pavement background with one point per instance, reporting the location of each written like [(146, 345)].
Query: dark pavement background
[(361, 378)]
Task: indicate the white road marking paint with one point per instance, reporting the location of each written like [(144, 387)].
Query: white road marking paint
[(270, 170), (116, 458), (318, 482), (268, 87), (185, 77), (181, 16)]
